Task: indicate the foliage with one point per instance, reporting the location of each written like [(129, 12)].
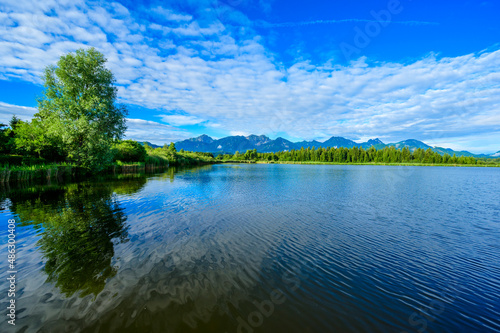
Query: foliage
[(4, 139), (37, 172), (162, 156), (7, 133), (352, 155), (31, 138), (77, 112), (129, 151)]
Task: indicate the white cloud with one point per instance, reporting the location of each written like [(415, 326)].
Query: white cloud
[(157, 133), (193, 29), (21, 112), (180, 120), (170, 15), (240, 133)]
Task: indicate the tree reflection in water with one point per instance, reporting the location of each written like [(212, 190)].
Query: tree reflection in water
[(79, 225)]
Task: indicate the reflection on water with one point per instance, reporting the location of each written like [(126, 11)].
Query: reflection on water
[(259, 248), (81, 224), (77, 240)]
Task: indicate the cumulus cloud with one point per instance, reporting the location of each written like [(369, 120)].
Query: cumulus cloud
[(154, 132), (7, 111), (196, 70), (170, 15), (180, 120)]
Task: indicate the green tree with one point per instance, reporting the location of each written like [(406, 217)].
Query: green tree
[(31, 137), (130, 151), (14, 121), (4, 139), (172, 148), (406, 154), (7, 133), (78, 108)]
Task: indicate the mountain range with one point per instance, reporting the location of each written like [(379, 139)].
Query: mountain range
[(264, 144)]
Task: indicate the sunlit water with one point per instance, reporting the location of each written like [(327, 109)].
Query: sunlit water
[(259, 248)]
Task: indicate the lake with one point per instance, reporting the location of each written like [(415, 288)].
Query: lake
[(258, 248)]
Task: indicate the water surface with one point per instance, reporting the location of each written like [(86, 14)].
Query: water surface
[(259, 248)]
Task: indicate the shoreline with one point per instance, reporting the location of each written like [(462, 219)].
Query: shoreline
[(54, 172), (66, 172), (368, 163), (45, 173)]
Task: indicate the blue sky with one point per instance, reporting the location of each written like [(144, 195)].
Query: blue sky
[(394, 70)]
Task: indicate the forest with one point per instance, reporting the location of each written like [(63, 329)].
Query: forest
[(354, 155)]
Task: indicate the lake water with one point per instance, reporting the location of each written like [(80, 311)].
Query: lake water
[(259, 248)]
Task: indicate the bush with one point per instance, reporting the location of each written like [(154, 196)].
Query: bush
[(204, 154), (130, 151)]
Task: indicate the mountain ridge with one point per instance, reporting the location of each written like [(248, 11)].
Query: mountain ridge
[(264, 144)]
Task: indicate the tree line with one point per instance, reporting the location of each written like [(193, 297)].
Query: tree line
[(352, 155)]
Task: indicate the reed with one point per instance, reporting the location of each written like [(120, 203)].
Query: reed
[(37, 172)]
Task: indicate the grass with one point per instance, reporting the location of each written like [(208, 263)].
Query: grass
[(36, 172), (134, 167)]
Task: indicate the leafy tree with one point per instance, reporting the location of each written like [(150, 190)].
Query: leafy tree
[(78, 109), (32, 139), (406, 154), (14, 121), (7, 145), (4, 139), (172, 147), (130, 151)]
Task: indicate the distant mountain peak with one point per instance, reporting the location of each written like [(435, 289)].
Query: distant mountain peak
[(411, 143), (264, 144), (258, 139), (338, 141), (375, 141), (203, 138), (253, 136)]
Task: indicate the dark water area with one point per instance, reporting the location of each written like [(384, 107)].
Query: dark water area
[(258, 248)]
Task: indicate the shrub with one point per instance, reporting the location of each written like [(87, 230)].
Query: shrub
[(130, 151)]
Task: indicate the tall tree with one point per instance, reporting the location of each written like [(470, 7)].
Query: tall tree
[(79, 108), (4, 139), (172, 147)]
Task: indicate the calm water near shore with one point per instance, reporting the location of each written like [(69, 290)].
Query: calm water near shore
[(258, 248)]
